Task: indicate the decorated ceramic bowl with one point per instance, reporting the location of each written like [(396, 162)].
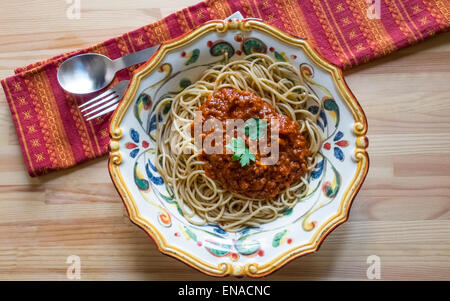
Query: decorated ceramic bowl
[(342, 165)]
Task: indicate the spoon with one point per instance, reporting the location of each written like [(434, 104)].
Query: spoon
[(91, 72)]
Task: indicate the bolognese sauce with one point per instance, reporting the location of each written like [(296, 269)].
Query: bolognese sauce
[(254, 180)]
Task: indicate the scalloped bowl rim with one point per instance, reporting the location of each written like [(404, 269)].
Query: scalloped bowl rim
[(252, 269)]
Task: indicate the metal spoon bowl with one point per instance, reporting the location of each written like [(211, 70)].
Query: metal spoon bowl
[(91, 72), (86, 73)]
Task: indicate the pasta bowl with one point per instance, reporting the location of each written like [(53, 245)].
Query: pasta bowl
[(342, 162)]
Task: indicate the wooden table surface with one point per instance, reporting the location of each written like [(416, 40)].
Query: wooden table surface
[(401, 213)]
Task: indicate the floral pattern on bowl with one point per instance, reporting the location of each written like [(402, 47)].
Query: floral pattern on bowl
[(342, 166)]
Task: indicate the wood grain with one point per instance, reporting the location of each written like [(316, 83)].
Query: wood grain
[(401, 213)]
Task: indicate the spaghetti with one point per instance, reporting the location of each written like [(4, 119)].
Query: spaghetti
[(208, 197)]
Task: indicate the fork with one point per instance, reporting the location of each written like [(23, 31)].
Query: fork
[(105, 102), (108, 101)]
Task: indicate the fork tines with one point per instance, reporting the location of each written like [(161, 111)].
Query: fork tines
[(111, 100), (103, 103)]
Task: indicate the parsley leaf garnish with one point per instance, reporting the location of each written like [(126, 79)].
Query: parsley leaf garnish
[(237, 145), (241, 151), (255, 128), (247, 157)]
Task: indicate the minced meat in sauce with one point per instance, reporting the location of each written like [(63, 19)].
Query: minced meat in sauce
[(254, 180)]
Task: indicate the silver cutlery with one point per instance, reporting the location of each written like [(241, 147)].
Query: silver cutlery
[(91, 72), (105, 102)]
